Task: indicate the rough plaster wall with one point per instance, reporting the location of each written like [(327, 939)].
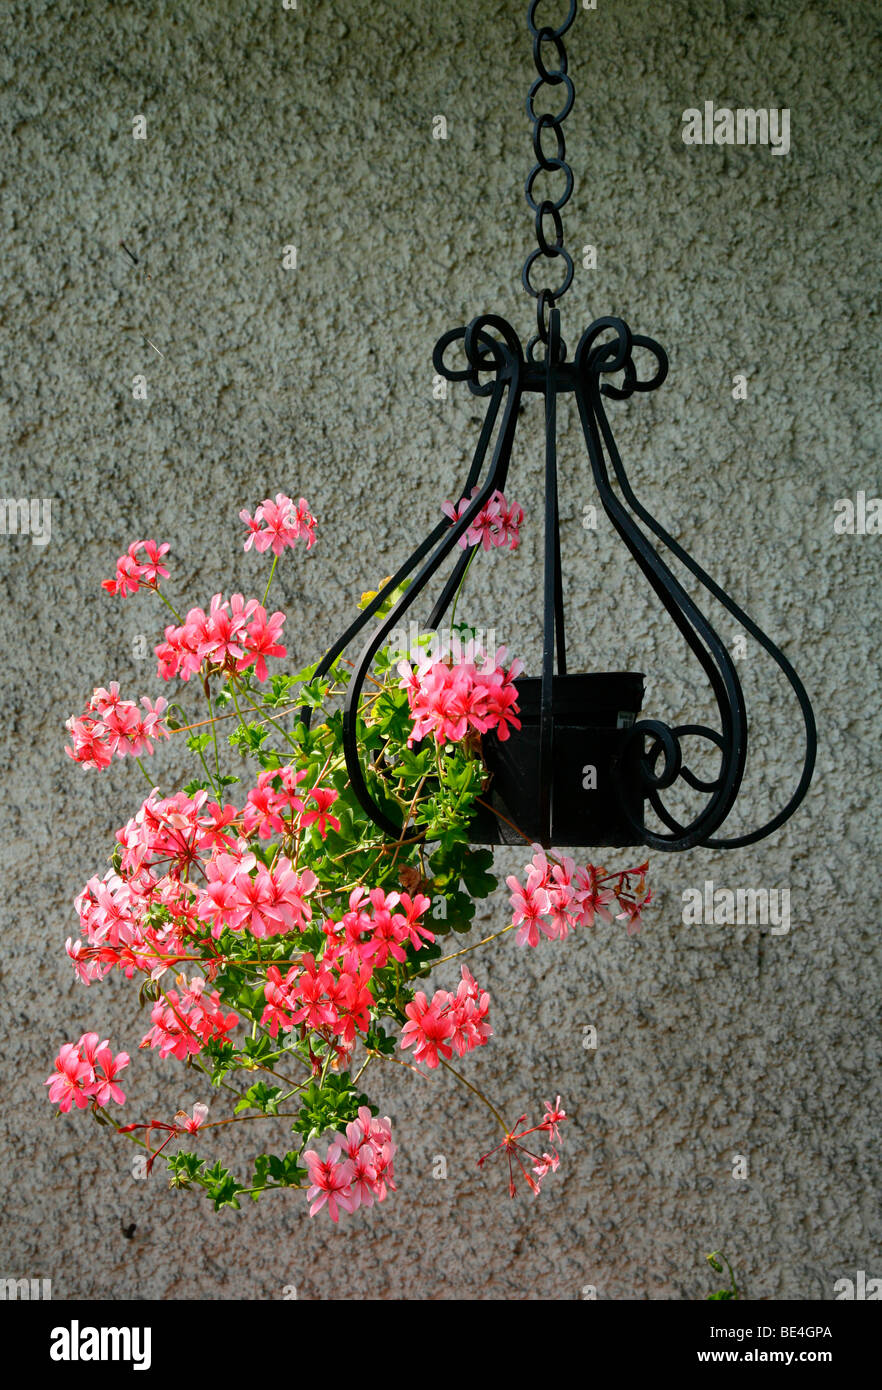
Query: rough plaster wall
[(267, 127)]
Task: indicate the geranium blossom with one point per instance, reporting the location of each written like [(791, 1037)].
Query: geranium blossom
[(558, 897), (279, 525), (450, 1022), (85, 1073), (516, 1150), (234, 634), (183, 1022), (323, 798), (330, 1182), (262, 885), (140, 568), (194, 1122), (358, 1168), (447, 700), (111, 726), (497, 523)]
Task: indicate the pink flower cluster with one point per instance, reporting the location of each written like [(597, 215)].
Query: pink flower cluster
[(186, 874), (184, 1022), (543, 1163), (335, 1003), (108, 912), (276, 793), (378, 925), (110, 725), (358, 1168), (558, 897), (115, 921), (233, 634), (85, 1073), (279, 525), (496, 524), (240, 891), (167, 833), (451, 1022), (448, 700), (134, 573), (331, 997)]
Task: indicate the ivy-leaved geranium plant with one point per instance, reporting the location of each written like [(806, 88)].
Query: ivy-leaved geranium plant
[(281, 941)]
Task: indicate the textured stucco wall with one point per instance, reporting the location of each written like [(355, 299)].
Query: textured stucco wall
[(314, 127)]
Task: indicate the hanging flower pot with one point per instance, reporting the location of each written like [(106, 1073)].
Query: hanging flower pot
[(591, 754)]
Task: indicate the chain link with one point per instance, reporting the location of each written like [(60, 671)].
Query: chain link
[(549, 240)]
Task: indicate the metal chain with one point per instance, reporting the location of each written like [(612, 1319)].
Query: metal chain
[(549, 238)]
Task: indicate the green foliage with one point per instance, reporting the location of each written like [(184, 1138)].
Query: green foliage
[(221, 1055), (271, 1170), (378, 1040), (249, 738), (260, 1097), (184, 1169), (731, 1293), (330, 1105), (221, 1186)]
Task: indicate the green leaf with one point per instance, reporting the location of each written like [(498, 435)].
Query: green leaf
[(260, 1097), (183, 1168), (283, 1171), (378, 1040), (198, 785), (221, 1054), (222, 1187), (249, 737), (330, 1106), (476, 875)]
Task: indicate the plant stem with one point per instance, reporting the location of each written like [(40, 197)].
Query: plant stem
[(234, 685), (479, 1094), (160, 594), (270, 580), (474, 946), (147, 778), (461, 584), (214, 736)]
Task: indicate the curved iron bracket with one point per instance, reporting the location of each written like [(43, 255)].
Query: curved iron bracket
[(496, 368)]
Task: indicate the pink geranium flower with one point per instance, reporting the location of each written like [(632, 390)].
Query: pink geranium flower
[(428, 1030), (330, 1182), (134, 573), (68, 1084), (85, 1073), (497, 523), (111, 726), (324, 798), (529, 905), (105, 1086), (278, 525), (191, 1123), (261, 641), (448, 700), (517, 1151)]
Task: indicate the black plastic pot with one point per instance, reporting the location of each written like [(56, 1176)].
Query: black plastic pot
[(592, 716)]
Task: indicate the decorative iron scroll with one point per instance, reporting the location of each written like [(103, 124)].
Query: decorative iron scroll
[(496, 368)]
